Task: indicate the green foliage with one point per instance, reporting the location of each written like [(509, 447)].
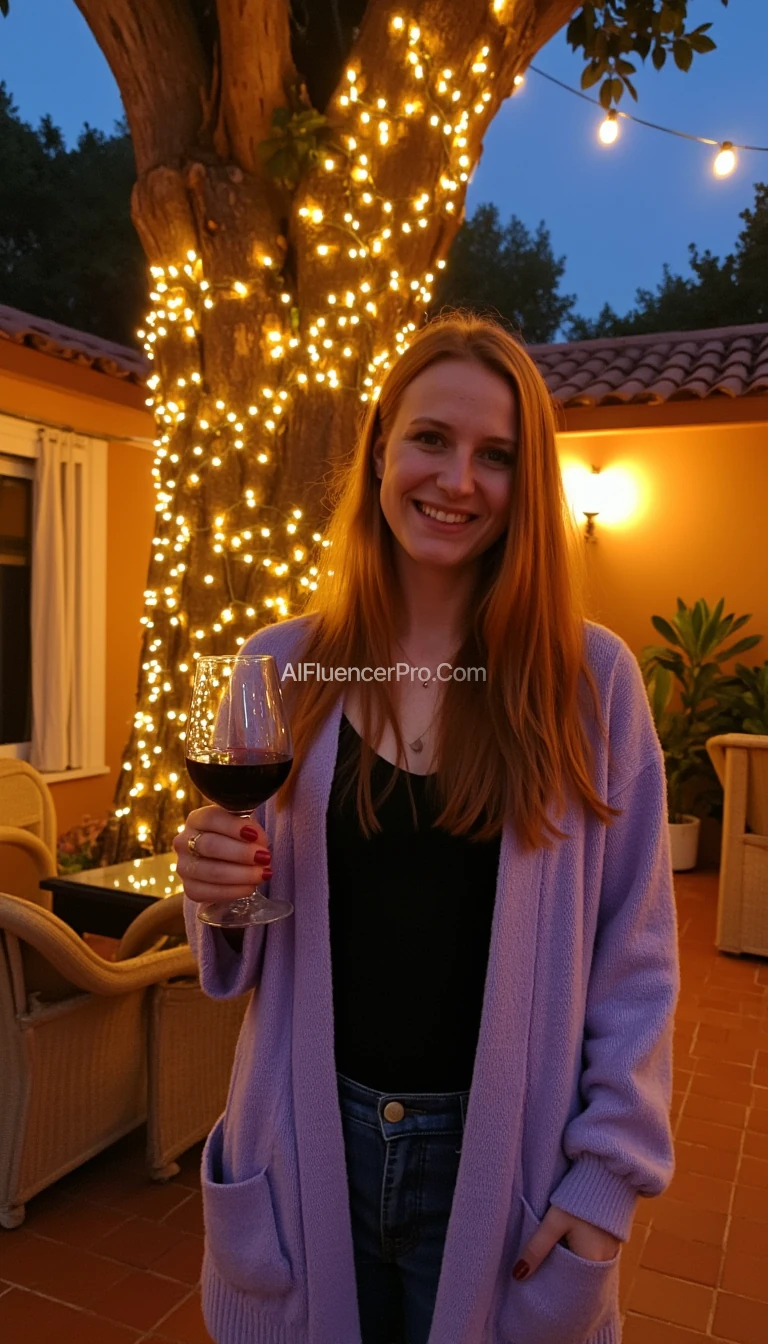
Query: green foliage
[(68, 249), (608, 31), (711, 702), (509, 270), (717, 294), (300, 135)]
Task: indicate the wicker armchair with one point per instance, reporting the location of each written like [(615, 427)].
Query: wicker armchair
[(28, 823), (741, 762)]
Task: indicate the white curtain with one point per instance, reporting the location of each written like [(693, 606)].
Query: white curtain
[(57, 624)]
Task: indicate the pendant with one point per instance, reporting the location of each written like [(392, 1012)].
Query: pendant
[(418, 745)]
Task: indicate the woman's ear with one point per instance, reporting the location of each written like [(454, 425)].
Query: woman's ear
[(378, 456)]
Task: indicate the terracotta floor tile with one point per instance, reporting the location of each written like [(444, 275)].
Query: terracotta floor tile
[(672, 1300), (715, 1136), (183, 1261), (680, 1220), (88, 1329), (140, 1300), (138, 1242), (750, 1203), (718, 1068), (646, 1330), (706, 1161), (188, 1217), (682, 1258), (715, 1109), (67, 1273), (185, 1325), (757, 1121), (740, 1319), (746, 1276), (760, 1099), (721, 1089), (755, 1145), (151, 1199), (753, 1171), (701, 1192), (79, 1223), (730, 1052), (746, 1237), (25, 1317)]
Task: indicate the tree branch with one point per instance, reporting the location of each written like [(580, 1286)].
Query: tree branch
[(154, 52), (256, 65)]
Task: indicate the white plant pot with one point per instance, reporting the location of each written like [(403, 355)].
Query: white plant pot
[(684, 842)]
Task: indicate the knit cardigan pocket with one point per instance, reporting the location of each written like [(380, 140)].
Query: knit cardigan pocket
[(241, 1232), (566, 1301)]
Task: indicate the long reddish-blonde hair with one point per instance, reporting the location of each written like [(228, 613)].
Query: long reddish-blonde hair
[(510, 746)]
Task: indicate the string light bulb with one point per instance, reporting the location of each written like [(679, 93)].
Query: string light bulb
[(608, 130), (725, 160)]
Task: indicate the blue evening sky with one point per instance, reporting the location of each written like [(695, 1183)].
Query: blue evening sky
[(616, 214)]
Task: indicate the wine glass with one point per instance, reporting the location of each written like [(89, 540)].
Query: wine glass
[(238, 753)]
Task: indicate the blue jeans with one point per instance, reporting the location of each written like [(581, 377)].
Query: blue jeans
[(401, 1174)]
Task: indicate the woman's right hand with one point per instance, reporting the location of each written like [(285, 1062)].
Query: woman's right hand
[(231, 855)]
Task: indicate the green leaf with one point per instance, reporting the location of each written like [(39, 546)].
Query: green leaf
[(4, 8), (701, 43), (740, 646), (658, 56), (630, 87), (591, 73), (665, 629), (683, 53)]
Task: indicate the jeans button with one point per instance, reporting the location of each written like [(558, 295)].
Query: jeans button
[(394, 1110)]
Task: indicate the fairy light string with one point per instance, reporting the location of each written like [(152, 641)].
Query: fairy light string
[(327, 346)]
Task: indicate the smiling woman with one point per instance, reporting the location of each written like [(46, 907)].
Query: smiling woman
[(459, 1081)]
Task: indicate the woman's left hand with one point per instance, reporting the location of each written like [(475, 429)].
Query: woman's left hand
[(584, 1239)]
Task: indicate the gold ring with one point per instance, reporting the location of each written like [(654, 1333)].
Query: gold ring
[(192, 843)]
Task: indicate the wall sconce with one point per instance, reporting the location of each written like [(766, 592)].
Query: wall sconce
[(591, 502)]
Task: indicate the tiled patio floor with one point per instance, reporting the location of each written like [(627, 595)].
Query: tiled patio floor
[(105, 1257)]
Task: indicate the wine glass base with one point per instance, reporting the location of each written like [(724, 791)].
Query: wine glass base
[(242, 914)]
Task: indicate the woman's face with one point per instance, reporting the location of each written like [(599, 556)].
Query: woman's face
[(446, 469)]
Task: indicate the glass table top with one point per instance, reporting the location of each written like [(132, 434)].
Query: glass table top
[(152, 876)]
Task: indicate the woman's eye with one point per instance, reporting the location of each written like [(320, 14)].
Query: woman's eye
[(428, 434), (500, 456)]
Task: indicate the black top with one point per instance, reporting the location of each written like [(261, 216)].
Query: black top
[(410, 916)]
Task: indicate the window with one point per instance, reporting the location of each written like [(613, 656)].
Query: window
[(52, 579), (15, 600)]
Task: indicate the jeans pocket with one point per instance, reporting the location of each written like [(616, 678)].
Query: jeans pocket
[(240, 1226), (564, 1301)]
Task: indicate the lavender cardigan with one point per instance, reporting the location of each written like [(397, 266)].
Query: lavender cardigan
[(572, 1081)]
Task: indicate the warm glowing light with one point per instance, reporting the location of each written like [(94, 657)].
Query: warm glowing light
[(608, 130), (725, 160)]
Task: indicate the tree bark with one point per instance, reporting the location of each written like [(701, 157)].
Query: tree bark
[(208, 575)]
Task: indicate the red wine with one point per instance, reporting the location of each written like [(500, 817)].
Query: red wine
[(241, 778)]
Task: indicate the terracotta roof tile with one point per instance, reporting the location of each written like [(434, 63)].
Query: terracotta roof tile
[(674, 366), (609, 371)]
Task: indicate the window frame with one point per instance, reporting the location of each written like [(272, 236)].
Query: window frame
[(20, 448)]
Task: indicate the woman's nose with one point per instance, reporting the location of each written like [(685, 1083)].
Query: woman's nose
[(456, 477)]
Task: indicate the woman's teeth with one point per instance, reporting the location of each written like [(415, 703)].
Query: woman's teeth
[(441, 515)]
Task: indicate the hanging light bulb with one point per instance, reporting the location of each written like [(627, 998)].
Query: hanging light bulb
[(609, 129), (725, 160), (519, 81)]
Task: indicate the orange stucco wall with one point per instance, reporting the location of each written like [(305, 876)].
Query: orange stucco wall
[(698, 529)]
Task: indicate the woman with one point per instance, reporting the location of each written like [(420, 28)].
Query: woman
[(453, 1082)]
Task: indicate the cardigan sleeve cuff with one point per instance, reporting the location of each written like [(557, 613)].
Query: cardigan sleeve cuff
[(224, 972), (591, 1192)]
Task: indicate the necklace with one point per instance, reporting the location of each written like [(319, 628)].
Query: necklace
[(417, 744)]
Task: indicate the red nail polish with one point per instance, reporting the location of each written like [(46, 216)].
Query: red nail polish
[(266, 874), (261, 856), (520, 1270), (249, 833)]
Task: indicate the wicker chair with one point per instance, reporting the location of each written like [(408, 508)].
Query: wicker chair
[(28, 822), (741, 762), (136, 1037)]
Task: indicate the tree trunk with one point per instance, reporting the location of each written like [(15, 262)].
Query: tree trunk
[(244, 438)]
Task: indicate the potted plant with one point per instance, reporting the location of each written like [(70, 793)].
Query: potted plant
[(709, 705)]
